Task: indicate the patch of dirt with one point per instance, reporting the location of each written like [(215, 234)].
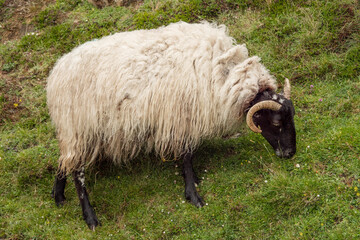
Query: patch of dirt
[(349, 25), (11, 104), (16, 17)]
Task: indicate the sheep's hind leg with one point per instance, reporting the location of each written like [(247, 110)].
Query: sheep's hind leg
[(88, 211), (190, 179), (59, 188)]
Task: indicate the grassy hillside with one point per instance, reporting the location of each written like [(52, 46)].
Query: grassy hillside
[(250, 193)]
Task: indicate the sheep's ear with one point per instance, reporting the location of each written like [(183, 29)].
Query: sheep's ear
[(225, 60), (236, 54)]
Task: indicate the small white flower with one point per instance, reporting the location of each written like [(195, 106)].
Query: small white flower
[(318, 195), (176, 173), (206, 204), (297, 165), (183, 202), (266, 181), (205, 170), (163, 232), (308, 146), (144, 229)]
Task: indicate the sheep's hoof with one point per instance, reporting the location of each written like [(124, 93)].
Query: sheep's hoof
[(195, 199), (92, 224), (59, 198), (91, 220), (199, 204)]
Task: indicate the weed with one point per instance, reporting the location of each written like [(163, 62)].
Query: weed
[(7, 67), (47, 17)]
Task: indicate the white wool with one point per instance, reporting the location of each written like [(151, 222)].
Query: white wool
[(165, 89)]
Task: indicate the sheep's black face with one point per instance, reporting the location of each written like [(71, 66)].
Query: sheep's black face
[(277, 127)]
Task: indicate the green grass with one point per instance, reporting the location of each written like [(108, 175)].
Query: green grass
[(251, 194)]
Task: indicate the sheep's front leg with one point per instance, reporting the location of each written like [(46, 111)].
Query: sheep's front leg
[(59, 188), (88, 211), (190, 179)]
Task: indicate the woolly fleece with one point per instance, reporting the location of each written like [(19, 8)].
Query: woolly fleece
[(164, 89)]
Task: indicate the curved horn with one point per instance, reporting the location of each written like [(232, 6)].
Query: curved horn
[(261, 105), (287, 89)]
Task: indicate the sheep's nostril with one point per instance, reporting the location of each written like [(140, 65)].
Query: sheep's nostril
[(288, 153)]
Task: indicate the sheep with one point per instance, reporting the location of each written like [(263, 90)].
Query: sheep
[(163, 90)]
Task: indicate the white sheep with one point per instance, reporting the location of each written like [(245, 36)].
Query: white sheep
[(165, 89)]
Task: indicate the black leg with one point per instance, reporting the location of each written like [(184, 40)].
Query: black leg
[(190, 179), (88, 211), (59, 188)]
